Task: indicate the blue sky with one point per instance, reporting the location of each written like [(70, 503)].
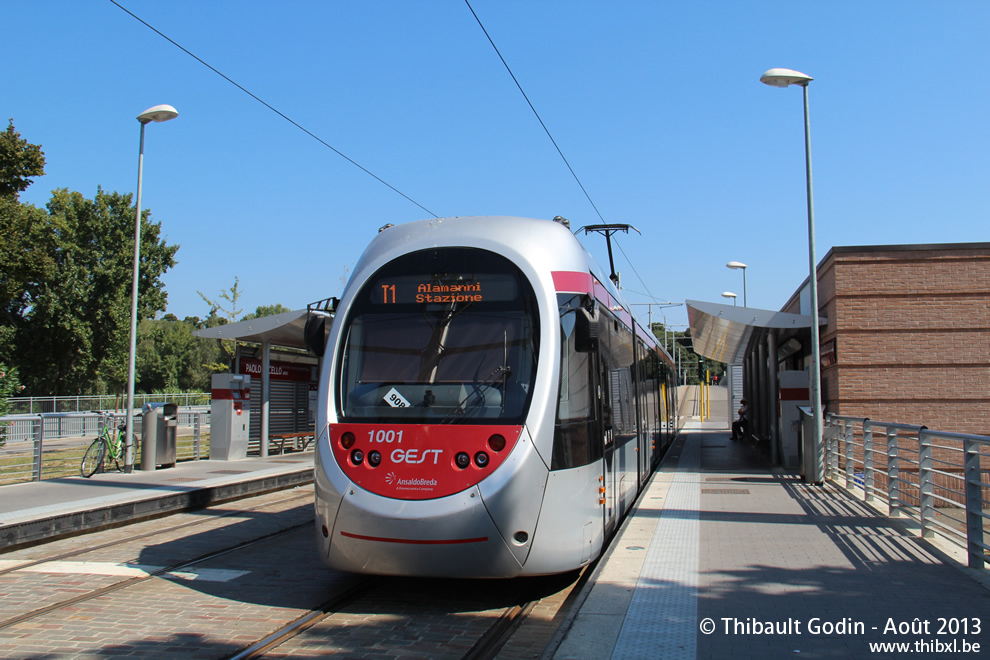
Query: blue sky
[(656, 105)]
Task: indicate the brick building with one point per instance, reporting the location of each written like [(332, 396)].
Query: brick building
[(907, 337)]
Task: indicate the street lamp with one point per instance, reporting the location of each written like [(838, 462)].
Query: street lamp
[(736, 265), (729, 294), (785, 78), (158, 113)]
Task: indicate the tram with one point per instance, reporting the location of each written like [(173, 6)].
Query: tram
[(487, 407)]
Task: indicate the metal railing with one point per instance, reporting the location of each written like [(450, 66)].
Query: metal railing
[(35, 405), (49, 446), (936, 478)]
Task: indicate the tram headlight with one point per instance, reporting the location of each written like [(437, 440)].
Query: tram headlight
[(347, 440), (497, 442), (357, 457), (374, 458), (462, 460), (481, 459)]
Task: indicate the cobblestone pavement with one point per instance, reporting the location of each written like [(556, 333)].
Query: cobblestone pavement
[(189, 614), (222, 605)]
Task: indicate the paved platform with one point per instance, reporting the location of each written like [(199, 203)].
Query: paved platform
[(724, 556), (42, 510), (727, 557)]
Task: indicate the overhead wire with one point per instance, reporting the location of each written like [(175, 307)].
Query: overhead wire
[(361, 167), (273, 109), (533, 108), (629, 261), (552, 140)]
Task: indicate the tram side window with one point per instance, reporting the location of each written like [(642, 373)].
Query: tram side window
[(618, 355), (648, 388), (575, 442)]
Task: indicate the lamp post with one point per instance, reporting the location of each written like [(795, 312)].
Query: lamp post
[(158, 113), (736, 265), (729, 294), (785, 78)]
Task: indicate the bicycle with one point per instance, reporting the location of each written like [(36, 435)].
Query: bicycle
[(108, 446)]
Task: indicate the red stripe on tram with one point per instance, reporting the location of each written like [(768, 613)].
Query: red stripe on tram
[(382, 539)]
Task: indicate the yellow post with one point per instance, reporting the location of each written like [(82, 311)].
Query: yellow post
[(708, 394)]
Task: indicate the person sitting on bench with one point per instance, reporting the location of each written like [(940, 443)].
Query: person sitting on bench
[(740, 425)]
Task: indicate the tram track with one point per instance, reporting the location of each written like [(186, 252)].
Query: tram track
[(307, 621), (485, 648), (526, 595), (492, 641)]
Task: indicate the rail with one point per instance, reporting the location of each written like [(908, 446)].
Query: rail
[(35, 405), (51, 445), (938, 479)]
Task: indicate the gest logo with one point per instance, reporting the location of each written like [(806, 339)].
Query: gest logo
[(413, 456)]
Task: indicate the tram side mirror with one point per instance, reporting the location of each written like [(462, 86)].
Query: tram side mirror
[(585, 330), (315, 335)]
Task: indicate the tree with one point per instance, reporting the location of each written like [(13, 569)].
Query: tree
[(226, 348), (65, 279), (267, 310), (694, 367), (71, 325), (27, 242), (19, 160), (9, 386), (229, 314), (25, 238), (222, 313), (171, 359)]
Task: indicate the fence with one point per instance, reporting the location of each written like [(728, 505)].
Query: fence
[(37, 405), (48, 446), (936, 478)]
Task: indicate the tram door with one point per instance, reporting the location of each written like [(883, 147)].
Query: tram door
[(607, 417)]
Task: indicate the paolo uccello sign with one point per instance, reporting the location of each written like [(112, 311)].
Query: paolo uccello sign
[(278, 370)]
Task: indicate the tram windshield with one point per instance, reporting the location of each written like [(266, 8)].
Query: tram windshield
[(441, 336)]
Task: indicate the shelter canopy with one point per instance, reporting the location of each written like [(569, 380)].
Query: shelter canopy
[(723, 332), (285, 329)]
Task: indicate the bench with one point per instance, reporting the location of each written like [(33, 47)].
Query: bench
[(278, 440)]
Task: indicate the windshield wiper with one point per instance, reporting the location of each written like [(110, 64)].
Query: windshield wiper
[(476, 398)]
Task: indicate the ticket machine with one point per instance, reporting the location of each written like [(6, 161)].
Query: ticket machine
[(230, 416)]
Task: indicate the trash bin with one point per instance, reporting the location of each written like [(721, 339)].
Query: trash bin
[(159, 428)]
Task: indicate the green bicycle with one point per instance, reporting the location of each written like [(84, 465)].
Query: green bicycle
[(107, 447)]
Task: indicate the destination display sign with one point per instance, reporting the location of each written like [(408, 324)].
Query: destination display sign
[(425, 289)]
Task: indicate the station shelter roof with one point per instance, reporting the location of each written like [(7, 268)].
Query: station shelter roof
[(285, 330), (723, 332)]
